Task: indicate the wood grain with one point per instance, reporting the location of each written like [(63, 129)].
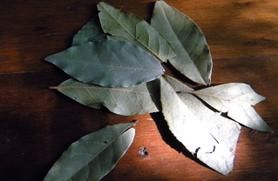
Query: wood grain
[(37, 124)]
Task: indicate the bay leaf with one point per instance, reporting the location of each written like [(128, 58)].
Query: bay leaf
[(237, 100), (225, 131), (210, 137), (193, 57), (108, 63), (184, 125), (177, 85), (91, 31), (128, 27), (123, 101), (94, 155)]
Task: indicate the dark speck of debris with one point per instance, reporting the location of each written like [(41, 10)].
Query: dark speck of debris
[(143, 152)]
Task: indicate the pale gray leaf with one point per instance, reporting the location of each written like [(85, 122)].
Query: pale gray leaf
[(91, 31), (238, 92), (206, 134), (109, 63), (124, 101), (94, 155), (182, 122), (193, 58), (177, 85), (128, 27), (235, 99), (224, 130)]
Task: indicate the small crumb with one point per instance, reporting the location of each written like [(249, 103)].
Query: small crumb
[(143, 151)]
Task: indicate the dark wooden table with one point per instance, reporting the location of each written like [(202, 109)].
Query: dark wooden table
[(38, 124)]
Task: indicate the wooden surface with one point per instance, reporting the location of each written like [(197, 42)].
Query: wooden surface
[(37, 124)]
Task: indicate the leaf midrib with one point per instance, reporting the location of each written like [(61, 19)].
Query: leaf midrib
[(96, 155)]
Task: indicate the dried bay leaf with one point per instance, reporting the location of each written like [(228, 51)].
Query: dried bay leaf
[(206, 134), (91, 31), (235, 99), (123, 64), (128, 27), (224, 130), (193, 58), (124, 101), (94, 155), (182, 122), (177, 85), (109, 63)]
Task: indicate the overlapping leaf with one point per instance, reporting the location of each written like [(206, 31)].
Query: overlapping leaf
[(128, 27), (206, 134), (223, 130), (89, 32), (94, 155), (193, 58), (177, 85), (109, 63), (182, 122), (124, 101), (235, 99)]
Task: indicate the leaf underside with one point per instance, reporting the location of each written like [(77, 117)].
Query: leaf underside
[(193, 58), (234, 99), (237, 100), (108, 63), (94, 155), (206, 134), (124, 101)]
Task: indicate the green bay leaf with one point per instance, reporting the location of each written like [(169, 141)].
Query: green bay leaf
[(94, 155), (123, 101), (193, 58), (108, 63), (128, 27)]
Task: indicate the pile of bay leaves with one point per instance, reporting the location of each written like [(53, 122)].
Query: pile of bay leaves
[(117, 64)]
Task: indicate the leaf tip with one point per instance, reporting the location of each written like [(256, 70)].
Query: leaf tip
[(134, 121), (53, 87)]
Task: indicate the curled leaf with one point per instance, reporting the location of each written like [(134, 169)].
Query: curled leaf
[(193, 58), (94, 155), (128, 27), (124, 101), (109, 63)]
